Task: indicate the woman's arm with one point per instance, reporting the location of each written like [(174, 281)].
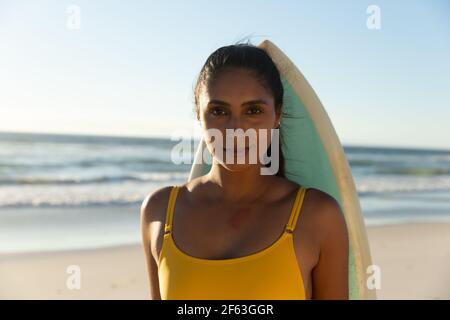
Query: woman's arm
[(330, 275), (148, 214)]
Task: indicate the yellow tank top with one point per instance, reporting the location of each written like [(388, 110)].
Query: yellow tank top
[(271, 273)]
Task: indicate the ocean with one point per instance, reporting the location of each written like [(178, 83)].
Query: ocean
[(60, 192)]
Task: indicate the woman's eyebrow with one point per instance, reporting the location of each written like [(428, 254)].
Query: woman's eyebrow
[(223, 103)]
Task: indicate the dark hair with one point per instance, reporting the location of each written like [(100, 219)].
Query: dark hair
[(250, 57)]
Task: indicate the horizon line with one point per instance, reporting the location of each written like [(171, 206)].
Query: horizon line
[(110, 135)]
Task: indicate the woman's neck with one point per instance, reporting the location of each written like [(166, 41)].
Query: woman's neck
[(238, 187)]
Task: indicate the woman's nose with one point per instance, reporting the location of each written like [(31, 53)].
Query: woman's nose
[(236, 122)]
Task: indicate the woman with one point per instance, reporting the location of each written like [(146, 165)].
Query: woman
[(235, 233)]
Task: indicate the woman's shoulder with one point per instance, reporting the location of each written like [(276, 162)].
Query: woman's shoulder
[(323, 204), (154, 205), (323, 214), (320, 211), (321, 201)]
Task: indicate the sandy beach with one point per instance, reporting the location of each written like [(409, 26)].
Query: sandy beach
[(107, 273), (414, 261)]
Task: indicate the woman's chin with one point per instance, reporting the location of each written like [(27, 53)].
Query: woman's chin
[(238, 165)]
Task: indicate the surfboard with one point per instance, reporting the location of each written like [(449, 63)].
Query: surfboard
[(314, 157)]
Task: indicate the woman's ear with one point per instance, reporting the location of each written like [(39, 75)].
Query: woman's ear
[(277, 122), (278, 118)]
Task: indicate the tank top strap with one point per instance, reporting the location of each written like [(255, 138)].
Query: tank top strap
[(296, 208), (170, 207)]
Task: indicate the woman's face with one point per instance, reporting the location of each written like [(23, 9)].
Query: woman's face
[(237, 100)]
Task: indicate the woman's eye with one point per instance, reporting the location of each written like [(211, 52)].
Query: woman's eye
[(255, 110), (217, 111)]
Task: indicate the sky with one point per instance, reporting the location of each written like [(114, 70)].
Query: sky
[(128, 67)]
